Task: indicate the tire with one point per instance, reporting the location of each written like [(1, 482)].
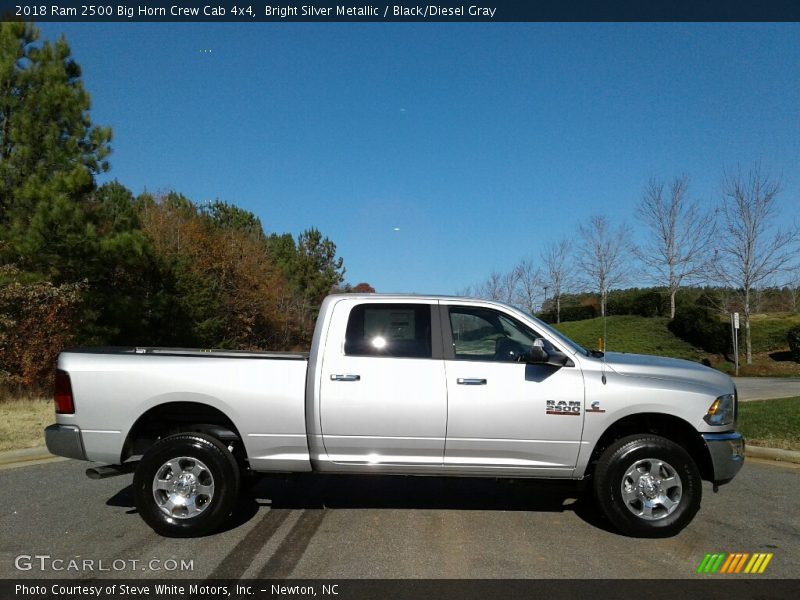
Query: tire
[(186, 485), (647, 486)]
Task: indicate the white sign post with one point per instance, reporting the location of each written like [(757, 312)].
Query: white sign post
[(735, 332)]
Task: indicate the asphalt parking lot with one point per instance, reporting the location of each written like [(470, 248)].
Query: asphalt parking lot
[(385, 527)]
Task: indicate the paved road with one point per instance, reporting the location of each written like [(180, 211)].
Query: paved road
[(323, 527), (764, 388)]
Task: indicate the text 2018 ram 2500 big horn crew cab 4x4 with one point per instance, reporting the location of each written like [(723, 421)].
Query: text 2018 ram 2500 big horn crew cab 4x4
[(413, 385)]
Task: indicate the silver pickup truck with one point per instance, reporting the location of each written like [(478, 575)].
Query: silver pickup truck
[(398, 384)]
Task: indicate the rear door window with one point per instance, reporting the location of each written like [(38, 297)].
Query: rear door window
[(396, 330)]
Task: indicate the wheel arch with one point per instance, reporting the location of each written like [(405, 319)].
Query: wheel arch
[(177, 417), (668, 426)]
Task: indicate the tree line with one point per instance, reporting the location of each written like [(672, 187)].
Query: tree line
[(82, 264), (736, 246)]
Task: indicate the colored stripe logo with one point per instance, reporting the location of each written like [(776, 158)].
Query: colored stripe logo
[(736, 562)]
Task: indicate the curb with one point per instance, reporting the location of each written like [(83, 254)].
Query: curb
[(25, 455), (772, 454), (41, 454)]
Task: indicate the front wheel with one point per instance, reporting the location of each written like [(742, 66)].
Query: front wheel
[(647, 486), (186, 485)]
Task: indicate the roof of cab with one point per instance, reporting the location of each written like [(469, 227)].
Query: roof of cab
[(403, 296)]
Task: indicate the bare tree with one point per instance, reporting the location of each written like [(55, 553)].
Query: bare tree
[(555, 257), (500, 287), (752, 251), (528, 287), (466, 291), (793, 288), (508, 285), (491, 288), (603, 256), (520, 286), (680, 236)]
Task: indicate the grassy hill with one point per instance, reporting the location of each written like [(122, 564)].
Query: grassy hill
[(769, 331), (642, 335), (629, 333)]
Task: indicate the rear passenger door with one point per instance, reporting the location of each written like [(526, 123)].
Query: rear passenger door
[(383, 398)]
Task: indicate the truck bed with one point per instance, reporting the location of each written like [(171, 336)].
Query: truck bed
[(262, 393)]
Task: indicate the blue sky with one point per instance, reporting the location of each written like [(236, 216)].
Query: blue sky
[(480, 142)]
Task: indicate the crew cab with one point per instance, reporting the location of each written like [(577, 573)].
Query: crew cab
[(401, 384)]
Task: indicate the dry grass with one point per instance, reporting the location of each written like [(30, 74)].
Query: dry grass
[(22, 422)]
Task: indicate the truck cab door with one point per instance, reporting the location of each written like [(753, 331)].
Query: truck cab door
[(383, 397), (504, 414)]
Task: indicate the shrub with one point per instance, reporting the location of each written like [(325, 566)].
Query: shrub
[(699, 326), (649, 304), (707, 300), (570, 313), (793, 337), (642, 302), (37, 321)]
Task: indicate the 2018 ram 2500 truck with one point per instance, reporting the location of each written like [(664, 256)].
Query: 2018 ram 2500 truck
[(413, 385)]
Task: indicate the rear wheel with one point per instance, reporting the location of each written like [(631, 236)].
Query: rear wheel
[(648, 486), (186, 485)]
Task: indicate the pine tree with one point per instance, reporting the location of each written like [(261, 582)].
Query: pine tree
[(50, 154)]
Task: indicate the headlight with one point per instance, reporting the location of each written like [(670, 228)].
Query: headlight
[(721, 411)]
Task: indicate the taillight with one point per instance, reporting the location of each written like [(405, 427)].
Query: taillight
[(63, 394)]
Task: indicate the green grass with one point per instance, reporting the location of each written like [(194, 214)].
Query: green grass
[(771, 423), (642, 335), (768, 332), (22, 422), (629, 333)]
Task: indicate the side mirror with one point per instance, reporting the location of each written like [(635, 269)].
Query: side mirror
[(538, 355)]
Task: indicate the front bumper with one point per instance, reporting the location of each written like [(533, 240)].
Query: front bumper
[(727, 454), (64, 440)]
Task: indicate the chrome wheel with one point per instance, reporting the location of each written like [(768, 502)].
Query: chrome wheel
[(183, 487), (651, 489)]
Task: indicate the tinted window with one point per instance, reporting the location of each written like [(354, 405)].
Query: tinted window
[(399, 330)]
